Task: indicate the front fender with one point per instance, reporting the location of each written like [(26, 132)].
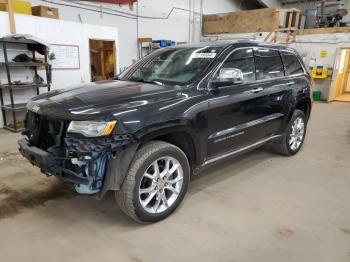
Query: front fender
[(158, 129), (185, 126), (117, 168)]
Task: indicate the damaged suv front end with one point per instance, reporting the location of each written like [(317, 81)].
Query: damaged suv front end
[(77, 151)]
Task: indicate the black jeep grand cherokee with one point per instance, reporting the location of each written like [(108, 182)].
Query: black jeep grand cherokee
[(171, 114)]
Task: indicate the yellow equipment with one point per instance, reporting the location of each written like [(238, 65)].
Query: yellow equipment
[(319, 72), (19, 7)]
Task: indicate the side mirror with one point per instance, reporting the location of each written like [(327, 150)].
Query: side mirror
[(233, 75), (228, 76)]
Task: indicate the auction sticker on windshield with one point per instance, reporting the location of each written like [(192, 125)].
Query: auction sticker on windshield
[(204, 55)]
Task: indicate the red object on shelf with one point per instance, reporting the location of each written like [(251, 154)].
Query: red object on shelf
[(119, 2)]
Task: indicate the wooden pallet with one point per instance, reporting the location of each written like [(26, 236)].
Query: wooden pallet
[(250, 21), (286, 34)]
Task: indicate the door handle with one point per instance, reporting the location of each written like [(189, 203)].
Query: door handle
[(255, 90), (290, 83)]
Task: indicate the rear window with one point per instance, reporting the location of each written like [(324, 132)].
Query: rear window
[(268, 64), (291, 64)]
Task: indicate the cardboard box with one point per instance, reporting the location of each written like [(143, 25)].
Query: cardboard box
[(19, 7), (45, 11)]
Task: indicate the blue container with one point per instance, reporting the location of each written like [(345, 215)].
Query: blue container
[(161, 42), (173, 43)]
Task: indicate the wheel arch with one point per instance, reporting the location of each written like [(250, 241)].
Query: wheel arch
[(305, 106), (180, 136)]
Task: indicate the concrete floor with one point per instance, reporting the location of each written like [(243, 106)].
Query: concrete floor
[(258, 207)]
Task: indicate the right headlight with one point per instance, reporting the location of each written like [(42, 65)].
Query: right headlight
[(91, 129)]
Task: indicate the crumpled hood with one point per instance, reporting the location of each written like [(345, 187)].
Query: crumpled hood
[(100, 100)]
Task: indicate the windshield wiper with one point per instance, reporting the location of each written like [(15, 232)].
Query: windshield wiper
[(156, 82), (147, 81)]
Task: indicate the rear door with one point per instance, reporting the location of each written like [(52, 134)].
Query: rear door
[(242, 114), (296, 78), (270, 74)]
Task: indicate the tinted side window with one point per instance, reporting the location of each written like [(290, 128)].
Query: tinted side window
[(291, 64), (268, 64), (242, 59)]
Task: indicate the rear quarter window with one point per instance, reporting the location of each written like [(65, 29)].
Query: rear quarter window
[(291, 64)]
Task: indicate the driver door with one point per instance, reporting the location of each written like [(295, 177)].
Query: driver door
[(239, 109)]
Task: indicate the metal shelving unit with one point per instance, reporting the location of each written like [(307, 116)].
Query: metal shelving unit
[(21, 64), (147, 45), (14, 107)]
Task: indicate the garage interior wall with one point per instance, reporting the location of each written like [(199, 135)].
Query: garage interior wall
[(57, 32), (312, 4), (309, 47), (180, 26), (80, 21)]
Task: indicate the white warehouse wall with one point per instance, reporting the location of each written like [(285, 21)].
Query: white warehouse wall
[(53, 32), (176, 27), (308, 46), (78, 23)]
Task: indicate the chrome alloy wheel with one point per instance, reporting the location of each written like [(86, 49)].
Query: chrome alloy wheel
[(161, 185), (296, 135)]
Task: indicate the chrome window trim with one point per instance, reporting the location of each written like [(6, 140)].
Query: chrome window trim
[(299, 60), (224, 60), (291, 51), (208, 75)]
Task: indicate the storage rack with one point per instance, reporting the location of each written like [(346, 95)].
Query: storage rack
[(147, 45), (13, 108)]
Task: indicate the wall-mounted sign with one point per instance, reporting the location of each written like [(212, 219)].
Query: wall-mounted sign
[(323, 53), (65, 56), (319, 72)]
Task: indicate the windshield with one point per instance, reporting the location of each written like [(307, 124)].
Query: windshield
[(175, 66)]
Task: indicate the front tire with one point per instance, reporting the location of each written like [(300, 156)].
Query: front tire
[(294, 135), (156, 182)]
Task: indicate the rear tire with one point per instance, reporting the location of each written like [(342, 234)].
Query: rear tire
[(294, 135), (156, 182)]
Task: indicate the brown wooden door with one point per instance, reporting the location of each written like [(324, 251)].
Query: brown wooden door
[(102, 59)]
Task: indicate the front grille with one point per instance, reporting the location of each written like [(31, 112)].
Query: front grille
[(45, 132)]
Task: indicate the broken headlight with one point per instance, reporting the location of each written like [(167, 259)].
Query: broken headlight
[(91, 129)]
